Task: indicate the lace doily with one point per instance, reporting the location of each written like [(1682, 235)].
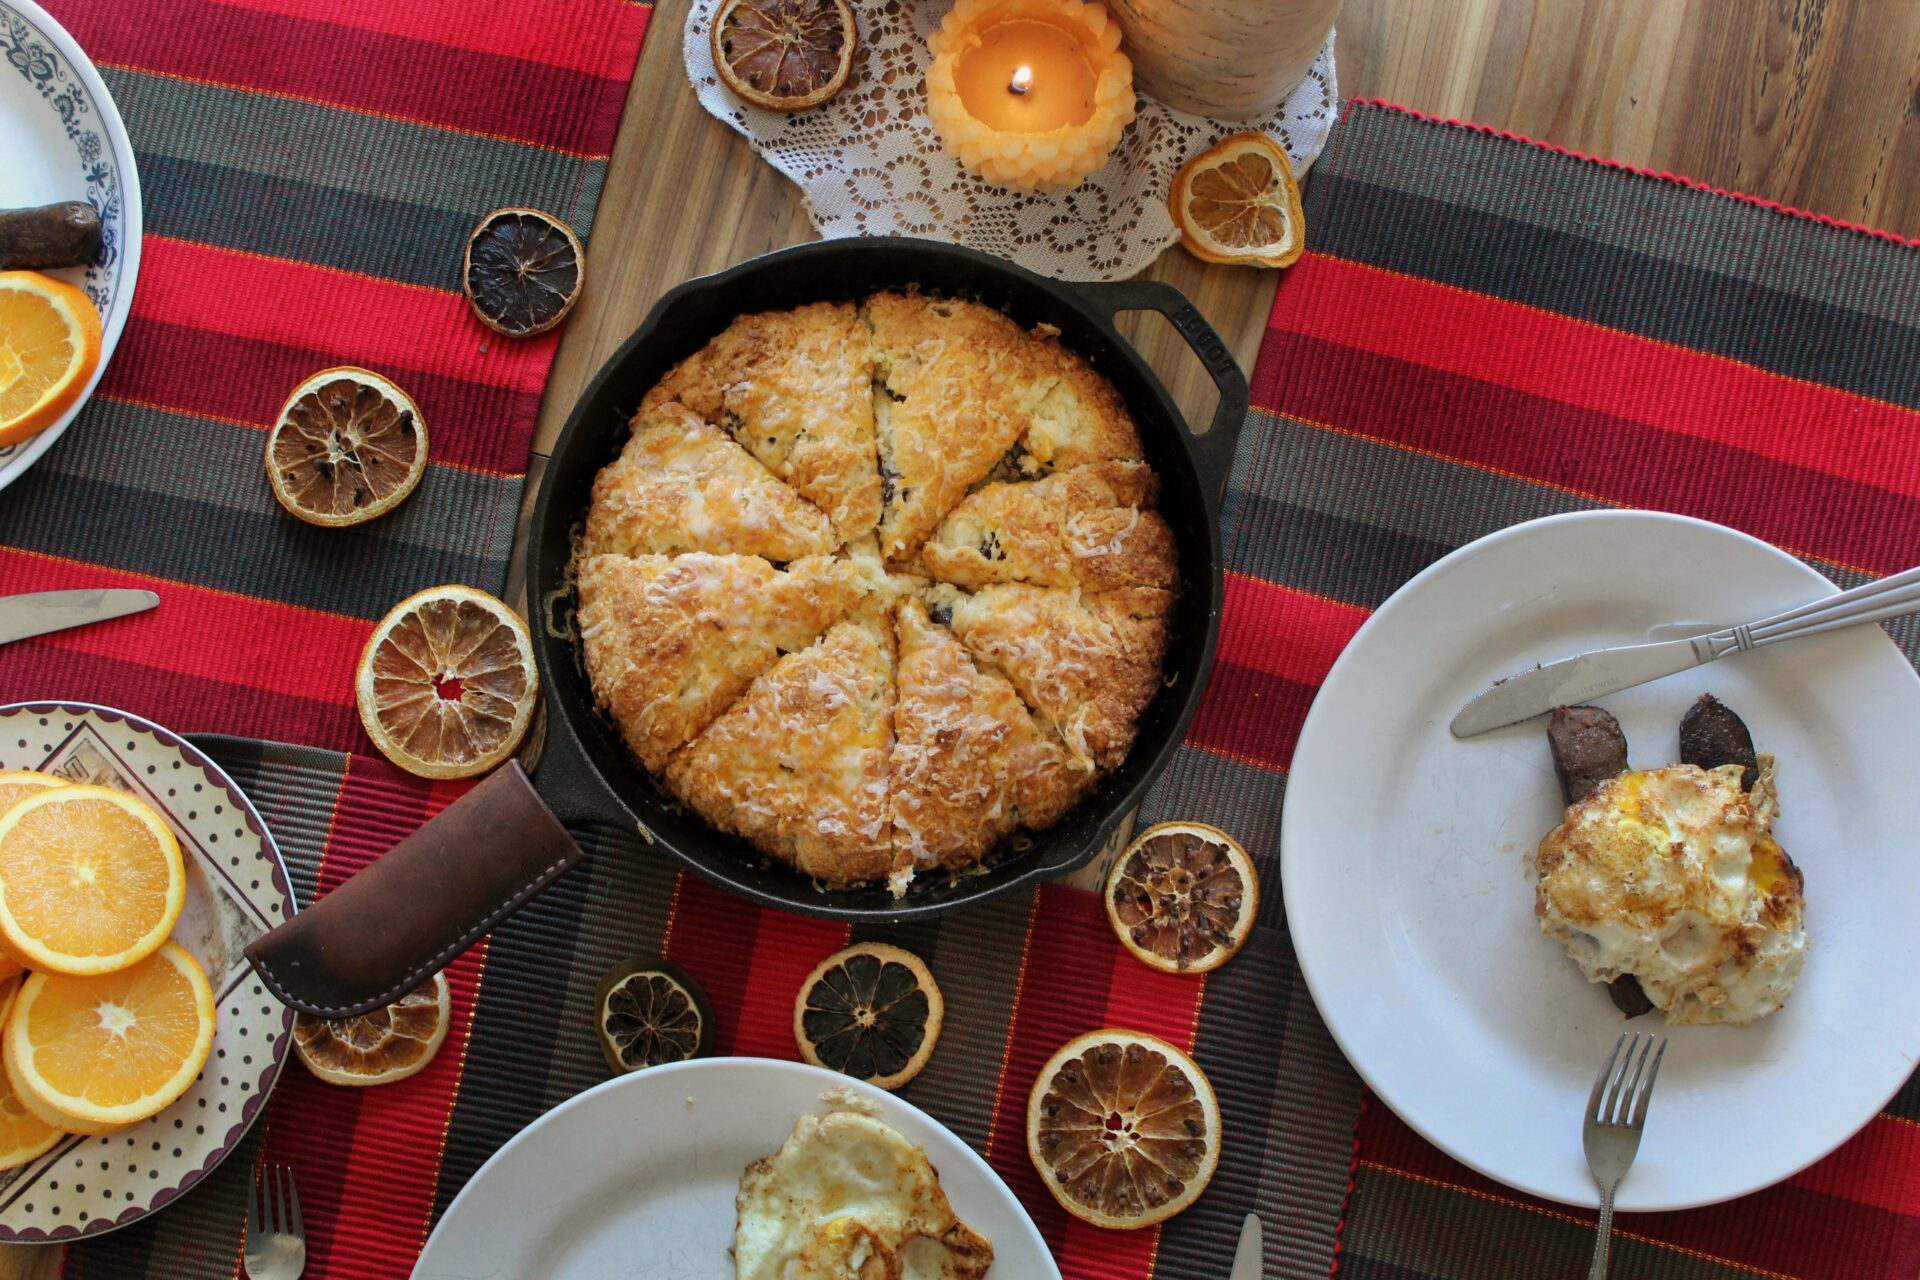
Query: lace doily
[(870, 164)]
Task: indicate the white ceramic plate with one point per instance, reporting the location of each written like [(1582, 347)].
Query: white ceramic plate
[(636, 1177), (1401, 853), (64, 141), (236, 890)]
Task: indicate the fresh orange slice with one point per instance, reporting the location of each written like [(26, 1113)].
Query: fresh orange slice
[(23, 1135), (18, 784), (446, 684), (49, 347), (115, 1048), (1124, 1129), (1237, 202), (784, 55), (90, 880), (348, 446), (1183, 896), (389, 1044)]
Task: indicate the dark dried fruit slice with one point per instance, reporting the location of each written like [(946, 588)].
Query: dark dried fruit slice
[(348, 446), (523, 271), (872, 1012), (1183, 897), (649, 1012), (784, 55), (380, 1047), (1123, 1128)]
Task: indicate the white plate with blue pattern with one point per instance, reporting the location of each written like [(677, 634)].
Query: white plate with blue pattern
[(65, 141)]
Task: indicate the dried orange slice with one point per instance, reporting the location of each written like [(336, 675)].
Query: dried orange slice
[(49, 348), (872, 1011), (1183, 897), (90, 880), (446, 684), (380, 1047), (1237, 202), (348, 446), (24, 1136), (784, 55), (522, 271), (113, 1048), (1124, 1129)]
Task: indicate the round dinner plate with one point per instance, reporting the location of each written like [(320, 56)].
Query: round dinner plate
[(1401, 852), (64, 141), (236, 890), (636, 1177)]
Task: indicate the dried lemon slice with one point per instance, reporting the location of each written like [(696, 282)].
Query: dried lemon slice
[(872, 1012), (446, 685), (1237, 202), (348, 446), (389, 1044), (650, 1012), (1183, 897), (1124, 1129), (522, 271)]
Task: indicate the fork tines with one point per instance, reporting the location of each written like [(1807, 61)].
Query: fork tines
[(273, 1204), (1626, 1080)]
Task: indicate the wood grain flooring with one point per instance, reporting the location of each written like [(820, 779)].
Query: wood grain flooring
[(1812, 103)]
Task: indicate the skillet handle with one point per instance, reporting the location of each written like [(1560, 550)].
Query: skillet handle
[(1212, 450)]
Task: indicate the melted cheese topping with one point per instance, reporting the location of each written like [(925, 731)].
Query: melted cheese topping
[(1673, 875)]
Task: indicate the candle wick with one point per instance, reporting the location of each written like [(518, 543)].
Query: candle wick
[(1021, 82)]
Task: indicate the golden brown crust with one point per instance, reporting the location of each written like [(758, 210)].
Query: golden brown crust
[(970, 764), (1083, 527), (955, 388), (1078, 419), (798, 765), (682, 484), (671, 642), (1089, 664), (795, 389)]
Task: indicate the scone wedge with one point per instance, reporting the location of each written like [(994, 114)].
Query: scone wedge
[(1090, 527), (798, 766), (970, 762), (670, 642)]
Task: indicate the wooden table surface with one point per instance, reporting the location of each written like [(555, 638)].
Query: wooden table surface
[(1812, 103)]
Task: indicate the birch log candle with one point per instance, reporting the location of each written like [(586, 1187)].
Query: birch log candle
[(1228, 59)]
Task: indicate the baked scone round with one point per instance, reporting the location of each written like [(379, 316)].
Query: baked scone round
[(877, 586)]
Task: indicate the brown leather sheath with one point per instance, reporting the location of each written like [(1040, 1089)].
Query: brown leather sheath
[(396, 923)]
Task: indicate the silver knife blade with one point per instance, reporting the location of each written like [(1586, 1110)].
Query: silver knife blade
[(1574, 680), (1247, 1257), (38, 612)]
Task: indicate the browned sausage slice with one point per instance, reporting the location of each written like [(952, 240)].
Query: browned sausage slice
[(1712, 735), (53, 235), (1588, 748)]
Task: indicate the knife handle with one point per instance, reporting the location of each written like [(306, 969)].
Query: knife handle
[(1872, 602)]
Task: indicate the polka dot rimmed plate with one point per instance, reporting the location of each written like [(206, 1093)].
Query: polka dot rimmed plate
[(237, 889)]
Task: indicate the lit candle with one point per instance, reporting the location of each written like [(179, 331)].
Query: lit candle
[(1030, 94)]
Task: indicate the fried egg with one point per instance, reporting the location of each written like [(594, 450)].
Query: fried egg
[(1673, 875), (847, 1197)]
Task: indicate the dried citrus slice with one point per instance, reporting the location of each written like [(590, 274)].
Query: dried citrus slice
[(1237, 202), (872, 1012), (650, 1012), (1123, 1128), (348, 446), (522, 271), (113, 1048), (380, 1047), (49, 348), (446, 685), (90, 880), (1183, 897), (23, 1135), (784, 55)]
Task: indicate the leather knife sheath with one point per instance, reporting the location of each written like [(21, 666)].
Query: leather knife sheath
[(399, 920)]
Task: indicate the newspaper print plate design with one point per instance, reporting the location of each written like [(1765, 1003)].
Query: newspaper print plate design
[(237, 888), (65, 141)]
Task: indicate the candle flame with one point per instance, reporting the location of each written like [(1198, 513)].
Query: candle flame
[(1022, 80)]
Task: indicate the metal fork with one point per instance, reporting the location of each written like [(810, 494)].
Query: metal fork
[(1612, 1131), (276, 1238)]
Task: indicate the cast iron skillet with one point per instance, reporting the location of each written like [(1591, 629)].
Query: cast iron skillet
[(584, 770)]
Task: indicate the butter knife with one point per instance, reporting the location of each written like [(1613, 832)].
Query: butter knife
[(1247, 1257), (38, 612), (1602, 671)]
